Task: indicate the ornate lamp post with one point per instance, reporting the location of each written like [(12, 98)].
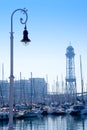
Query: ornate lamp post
[(25, 40)]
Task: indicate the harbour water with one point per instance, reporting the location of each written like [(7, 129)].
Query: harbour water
[(67, 122)]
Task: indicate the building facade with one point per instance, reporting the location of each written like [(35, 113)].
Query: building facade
[(29, 91)]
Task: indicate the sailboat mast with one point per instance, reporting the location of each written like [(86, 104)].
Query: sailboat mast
[(81, 76), (2, 71), (1, 87), (20, 92), (31, 88)]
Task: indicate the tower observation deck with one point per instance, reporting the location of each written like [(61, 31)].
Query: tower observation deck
[(70, 74)]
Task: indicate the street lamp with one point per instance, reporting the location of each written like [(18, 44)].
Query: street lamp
[(25, 40)]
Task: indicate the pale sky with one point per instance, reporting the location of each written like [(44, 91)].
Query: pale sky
[(52, 25)]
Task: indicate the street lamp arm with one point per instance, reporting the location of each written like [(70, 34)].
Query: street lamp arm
[(22, 21)]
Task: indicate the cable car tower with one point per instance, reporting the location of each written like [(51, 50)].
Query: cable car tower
[(70, 74)]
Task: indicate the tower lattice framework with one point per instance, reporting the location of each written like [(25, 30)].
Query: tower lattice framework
[(70, 74)]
